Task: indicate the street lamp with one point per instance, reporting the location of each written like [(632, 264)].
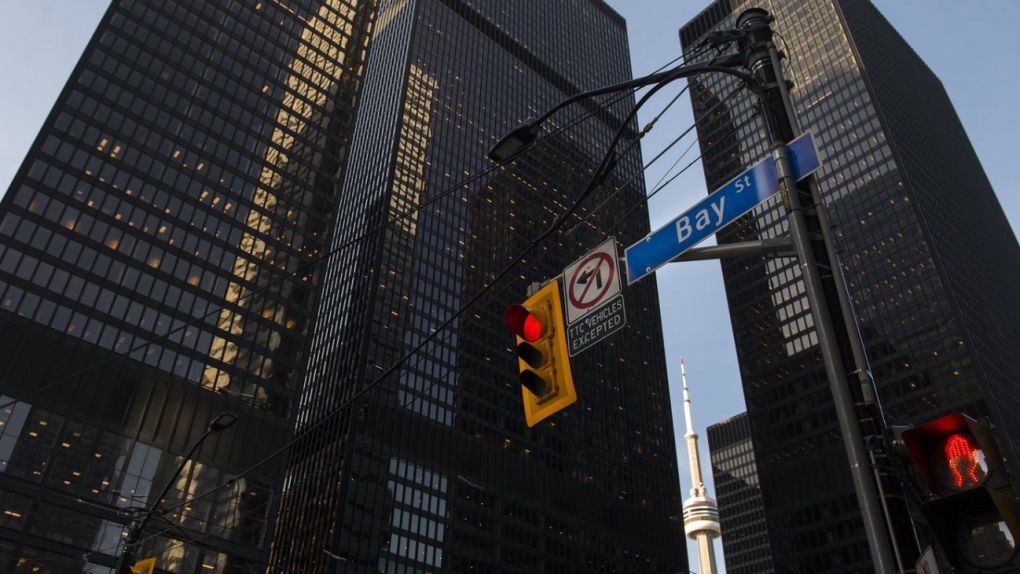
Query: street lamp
[(220, 423)]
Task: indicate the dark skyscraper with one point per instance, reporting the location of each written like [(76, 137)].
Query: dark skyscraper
[(201, 151), (193, 156), (434, 469), (932, 265), (745, 538)]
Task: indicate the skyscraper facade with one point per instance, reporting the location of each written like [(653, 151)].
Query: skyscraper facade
[(745, 537), (929, 257), (193, 157), (433, 468)]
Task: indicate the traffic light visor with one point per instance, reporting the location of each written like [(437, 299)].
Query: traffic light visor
[(523, 323), (983, 538), (531, 355), (978, 529), (534, 382)]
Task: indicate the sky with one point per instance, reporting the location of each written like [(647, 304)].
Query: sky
[(971, 46)]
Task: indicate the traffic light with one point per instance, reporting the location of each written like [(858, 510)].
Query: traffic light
[(146, 566), (972, 513), (548, 386)]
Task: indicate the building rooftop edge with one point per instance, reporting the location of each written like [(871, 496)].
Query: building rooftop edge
[(727, 420)]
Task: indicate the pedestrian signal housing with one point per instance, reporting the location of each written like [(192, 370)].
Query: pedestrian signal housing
[(972, 513)]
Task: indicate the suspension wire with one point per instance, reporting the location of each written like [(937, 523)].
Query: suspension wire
[(231, 481), (553, 134), (656, 158), (425, 391), (559, 221), (678, 174), (347, 244), (630, 146), (431, 339)]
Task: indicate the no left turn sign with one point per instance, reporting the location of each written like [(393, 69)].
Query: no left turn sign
[(592, 280)]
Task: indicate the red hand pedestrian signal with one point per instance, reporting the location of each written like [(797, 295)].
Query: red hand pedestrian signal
[(971, 512), (965, 461)]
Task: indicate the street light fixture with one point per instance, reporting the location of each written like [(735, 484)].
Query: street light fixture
[(219, 424), (514, 141)]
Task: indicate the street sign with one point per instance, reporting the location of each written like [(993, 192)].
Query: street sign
[(592, 280), (596, 326), (593, 298), (742, 194), (926, 564)]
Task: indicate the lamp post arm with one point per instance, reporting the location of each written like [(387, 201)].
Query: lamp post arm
[(684, 71), (607, 164)]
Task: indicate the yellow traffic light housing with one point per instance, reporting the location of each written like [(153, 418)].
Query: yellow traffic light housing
[(147, 566), (546, 381)]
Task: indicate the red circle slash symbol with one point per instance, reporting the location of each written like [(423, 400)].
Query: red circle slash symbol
[(589, 278)]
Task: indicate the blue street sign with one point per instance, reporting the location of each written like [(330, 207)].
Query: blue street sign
[(742, 194)]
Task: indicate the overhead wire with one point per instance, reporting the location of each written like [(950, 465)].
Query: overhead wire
[(644, 200), (558, 222), (371, 232), (347, 244), (429, 340), (381, 377), (560, 130), (424, 204), (425, 392), (675, 141)]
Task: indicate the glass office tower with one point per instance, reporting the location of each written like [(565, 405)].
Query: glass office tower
[(745, 538), (932, 264), (194, 156), (434, 469)]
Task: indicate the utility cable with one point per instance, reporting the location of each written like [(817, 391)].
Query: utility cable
[(648, 127), (558, 222), (656, 158), (424, 393), (346, 245), (670, 180), (495, 280), (506, 162)]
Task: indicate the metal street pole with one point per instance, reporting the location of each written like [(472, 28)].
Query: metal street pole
[(762, 59)]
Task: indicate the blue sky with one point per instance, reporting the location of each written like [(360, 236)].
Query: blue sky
[(971, 46)]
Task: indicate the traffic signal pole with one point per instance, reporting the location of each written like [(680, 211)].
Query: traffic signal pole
[(763, 61)]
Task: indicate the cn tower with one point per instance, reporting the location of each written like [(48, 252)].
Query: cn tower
[(701, 513)]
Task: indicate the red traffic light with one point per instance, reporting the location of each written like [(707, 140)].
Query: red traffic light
[(523, 323)]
